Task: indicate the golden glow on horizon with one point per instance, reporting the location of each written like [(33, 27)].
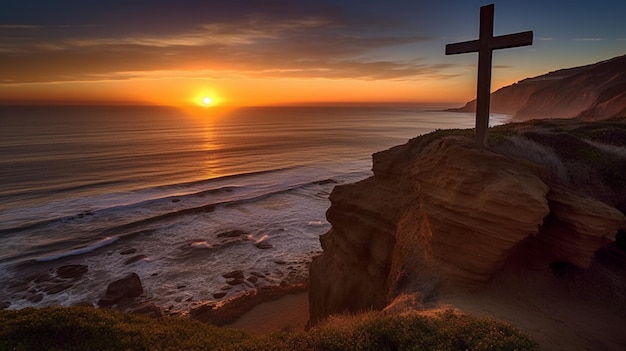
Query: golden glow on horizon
[(233, 92), (203, 97)]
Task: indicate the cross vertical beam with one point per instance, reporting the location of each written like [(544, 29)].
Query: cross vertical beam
[(485, 45), (483, 89)]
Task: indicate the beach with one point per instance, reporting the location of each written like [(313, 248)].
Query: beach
[(287, 313)]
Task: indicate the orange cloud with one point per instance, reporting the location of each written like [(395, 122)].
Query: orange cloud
[(241, 56)]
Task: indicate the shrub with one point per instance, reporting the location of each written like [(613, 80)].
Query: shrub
[(84, 328), (589, 157), (412, 331), (520, 147)]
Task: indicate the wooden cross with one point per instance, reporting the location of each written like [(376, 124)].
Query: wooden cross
[(485, 44)]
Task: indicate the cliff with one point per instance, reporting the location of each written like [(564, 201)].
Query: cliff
[(592, 92), (440, 213)]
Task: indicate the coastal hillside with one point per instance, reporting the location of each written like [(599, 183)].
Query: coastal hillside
[(592, 92), (530, 230)]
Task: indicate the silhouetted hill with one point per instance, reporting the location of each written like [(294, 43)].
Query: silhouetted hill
[(592, 92)]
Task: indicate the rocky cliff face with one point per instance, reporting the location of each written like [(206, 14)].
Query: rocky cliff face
[(592, 92), (441, 211)]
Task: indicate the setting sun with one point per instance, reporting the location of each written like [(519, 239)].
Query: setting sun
[(204, 98)]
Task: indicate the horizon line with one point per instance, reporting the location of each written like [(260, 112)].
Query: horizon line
[(60, 103)]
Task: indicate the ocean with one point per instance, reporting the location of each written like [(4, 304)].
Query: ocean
[(181, 198)]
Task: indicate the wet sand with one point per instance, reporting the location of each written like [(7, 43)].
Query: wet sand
[(287, 313)]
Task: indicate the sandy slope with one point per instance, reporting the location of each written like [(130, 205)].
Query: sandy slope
[(290, 312), (539, 306)]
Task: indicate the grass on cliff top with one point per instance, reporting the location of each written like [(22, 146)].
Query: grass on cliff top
[(589, 156), (84, 328)]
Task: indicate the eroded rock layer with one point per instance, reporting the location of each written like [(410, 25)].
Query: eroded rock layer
[(440, 210)]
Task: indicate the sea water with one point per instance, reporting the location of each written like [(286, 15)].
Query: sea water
[(181, 198)]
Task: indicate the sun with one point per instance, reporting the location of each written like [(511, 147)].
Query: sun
[(205, 98)]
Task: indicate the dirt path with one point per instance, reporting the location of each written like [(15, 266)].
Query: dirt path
[(536, 304), (541, 307)]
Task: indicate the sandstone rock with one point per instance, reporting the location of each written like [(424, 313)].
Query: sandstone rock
[(445, 207), (326, 181), (263, 245), (71, 271), (149, 309), (231, 234), (35, 298), (439, 210), (128, 251), (17, 287), (135, 259), (42, 277), (478, 206), (578, 228), (121, 289), (57, 288), (238, 274)]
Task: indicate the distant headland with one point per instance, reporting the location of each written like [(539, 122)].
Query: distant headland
[(592, 92)]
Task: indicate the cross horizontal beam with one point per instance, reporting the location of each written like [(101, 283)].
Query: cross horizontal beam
[(499, 42)]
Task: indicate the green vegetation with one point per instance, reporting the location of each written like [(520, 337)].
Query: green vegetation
[(444, 133), (87, 328), (588, 156), (84, 328), (376, 331)]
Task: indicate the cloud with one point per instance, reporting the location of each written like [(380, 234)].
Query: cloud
[(19, 26), (588, 39), (257, 45)]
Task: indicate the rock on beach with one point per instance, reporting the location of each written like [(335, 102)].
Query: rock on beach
[(119, 290)]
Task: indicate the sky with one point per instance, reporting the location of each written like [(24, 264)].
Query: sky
[(274, 52)]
